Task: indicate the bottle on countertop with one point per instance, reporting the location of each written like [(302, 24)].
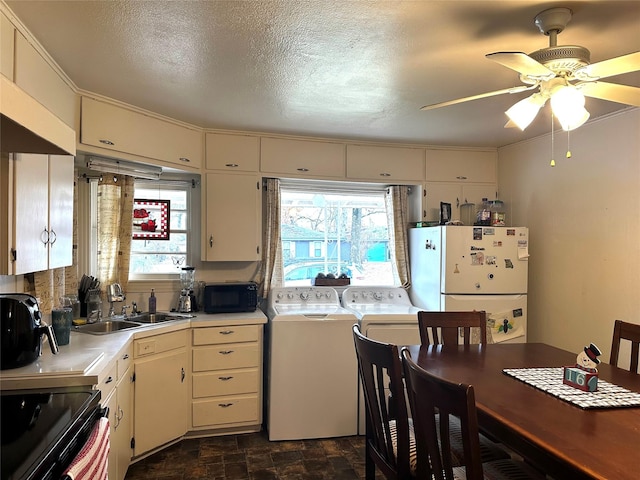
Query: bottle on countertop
[(152, 302)]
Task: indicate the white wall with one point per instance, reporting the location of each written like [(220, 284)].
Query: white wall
[(584, 221)]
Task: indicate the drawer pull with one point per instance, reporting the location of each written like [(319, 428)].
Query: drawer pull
[(125, 356), (225, 405), (224, 379), (225, 352), (226, 332), (108, 380)]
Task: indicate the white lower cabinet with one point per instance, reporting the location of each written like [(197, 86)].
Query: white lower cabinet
[(227, 378), (117, 395), (160, 390)]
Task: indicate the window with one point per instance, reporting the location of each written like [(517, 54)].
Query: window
[(163, 257), (335, 230), (157, 259)]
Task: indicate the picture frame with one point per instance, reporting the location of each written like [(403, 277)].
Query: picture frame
[(150, 219)]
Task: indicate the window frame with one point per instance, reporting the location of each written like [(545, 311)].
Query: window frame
[(181, 185)]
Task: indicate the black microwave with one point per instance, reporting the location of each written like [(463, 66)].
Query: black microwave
[(230, 297)]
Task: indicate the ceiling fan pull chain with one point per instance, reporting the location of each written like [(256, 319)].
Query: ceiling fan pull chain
[(568, 143), (553, 162)]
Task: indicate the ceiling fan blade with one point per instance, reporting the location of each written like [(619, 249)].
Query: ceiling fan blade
[(522, 63), (609, 68), (612, 92), (518, 89)]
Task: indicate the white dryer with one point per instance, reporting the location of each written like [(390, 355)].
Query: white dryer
[(312, 364), (385, 314)]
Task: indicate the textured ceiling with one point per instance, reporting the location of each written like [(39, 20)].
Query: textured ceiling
[(332, 68)]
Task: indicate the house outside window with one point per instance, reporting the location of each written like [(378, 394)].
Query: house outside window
[(338, 230)]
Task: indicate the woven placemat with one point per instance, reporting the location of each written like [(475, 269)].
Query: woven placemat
[(549, 380)]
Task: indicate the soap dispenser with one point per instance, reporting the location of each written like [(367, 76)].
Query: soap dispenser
[(152, 302)]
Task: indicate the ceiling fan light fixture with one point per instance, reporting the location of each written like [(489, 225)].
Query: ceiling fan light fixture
[(523, 112), (567, 103)]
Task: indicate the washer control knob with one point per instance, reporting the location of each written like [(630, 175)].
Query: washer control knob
[(304, 295), (377, 296)]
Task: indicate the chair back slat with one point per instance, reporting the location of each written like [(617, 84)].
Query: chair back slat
[(380, 370), (430, 396), (625, 331), (445, 327)]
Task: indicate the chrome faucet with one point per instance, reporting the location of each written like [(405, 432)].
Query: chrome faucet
[(124, 310), (134, 308), (115, 294)]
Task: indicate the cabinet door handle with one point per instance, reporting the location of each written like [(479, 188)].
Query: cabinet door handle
[(211, 241), (44, 236), (182, 375), (120, 414), (108, 380), (224, 379), (55, 237), (125, 356), (225, 405), (225, 352), (226, 332)]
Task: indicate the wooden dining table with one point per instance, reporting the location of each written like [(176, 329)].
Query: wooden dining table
[(564, 440)]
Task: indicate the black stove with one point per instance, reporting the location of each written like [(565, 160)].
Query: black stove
[(42, 431)]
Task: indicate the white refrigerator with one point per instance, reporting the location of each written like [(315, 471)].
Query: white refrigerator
[(456, 268)]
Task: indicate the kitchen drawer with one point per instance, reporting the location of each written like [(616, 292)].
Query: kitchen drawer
[(108, 382), (217, 335), (160, 343), (228, 382), (224, 357), (225, 410)]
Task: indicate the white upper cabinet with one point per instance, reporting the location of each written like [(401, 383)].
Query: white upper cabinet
[(371, 162), (119, 129), (231, 218), (475, 166), (7, 35), (37, 77), (301, 158), (232, 152), (40, 224)]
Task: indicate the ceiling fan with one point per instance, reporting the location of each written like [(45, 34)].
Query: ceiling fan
[(561, 74)]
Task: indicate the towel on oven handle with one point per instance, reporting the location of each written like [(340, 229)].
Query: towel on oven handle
[(92, 461)]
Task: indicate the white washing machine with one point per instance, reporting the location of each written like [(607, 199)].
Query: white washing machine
[(385, 314), (312, 364)]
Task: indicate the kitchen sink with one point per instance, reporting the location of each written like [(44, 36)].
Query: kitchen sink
[(157, 317), (106, 327)]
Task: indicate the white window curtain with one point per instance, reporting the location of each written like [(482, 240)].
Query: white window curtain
[(115, 207), (271, 271), (397, 203)]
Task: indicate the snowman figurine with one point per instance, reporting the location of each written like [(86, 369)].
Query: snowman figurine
[(588, 359)]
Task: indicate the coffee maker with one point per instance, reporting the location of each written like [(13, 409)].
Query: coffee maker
[(187, 302)]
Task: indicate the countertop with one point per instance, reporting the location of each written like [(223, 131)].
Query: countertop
[(87, 357)]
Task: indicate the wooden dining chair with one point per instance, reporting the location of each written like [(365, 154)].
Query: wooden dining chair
[(433, 398), (445, 327), (389, 443), (625, 331)]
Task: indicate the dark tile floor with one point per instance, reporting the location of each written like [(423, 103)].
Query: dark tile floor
[(253, 457)]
